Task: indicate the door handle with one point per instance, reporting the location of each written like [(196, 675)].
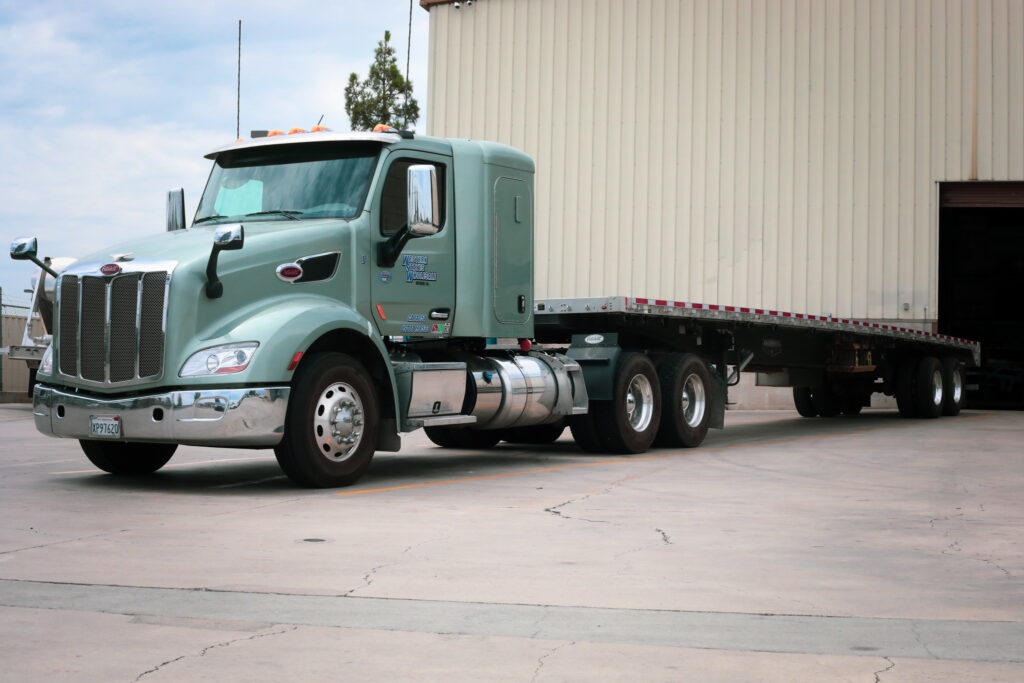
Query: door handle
[(440, 313)]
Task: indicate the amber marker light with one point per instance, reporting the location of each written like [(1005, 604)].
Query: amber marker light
[(380, 312)]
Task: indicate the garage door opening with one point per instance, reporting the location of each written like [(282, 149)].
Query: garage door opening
[(981, 282)]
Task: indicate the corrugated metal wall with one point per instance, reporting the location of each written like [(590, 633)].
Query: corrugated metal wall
[(15, 372), (773, 153)]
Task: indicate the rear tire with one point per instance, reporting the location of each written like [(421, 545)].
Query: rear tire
[(330, 431), (464, 438), (686, 393), (802, 401), (952, 386), (826, 403), (906, 399), (629, 422), (536, 434), (118, 457), (929, 388), (584, 430)]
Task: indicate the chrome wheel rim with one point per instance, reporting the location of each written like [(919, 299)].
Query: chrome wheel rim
[(338, 422), (640, 403), (937, 387), (958, 386), (694, 401)]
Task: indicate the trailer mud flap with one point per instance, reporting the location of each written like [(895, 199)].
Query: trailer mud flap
[(597, 354), (719, 395)]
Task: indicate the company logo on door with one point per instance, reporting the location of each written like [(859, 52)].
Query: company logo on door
[(416, 269)]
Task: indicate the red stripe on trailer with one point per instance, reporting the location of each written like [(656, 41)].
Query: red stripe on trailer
[(679, 304), (787, 315), (730, 309), (744, 310), (641, 301), (660, 302), (697, 305)]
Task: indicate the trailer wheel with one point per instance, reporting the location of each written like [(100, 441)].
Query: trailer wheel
[(906, 399), (629, 422), (118, 457), (929, 388), (685, 391), (330, 430), (468, 439), (826, 402), (584, 430), (535, 434), (952, 386), (802, 401)]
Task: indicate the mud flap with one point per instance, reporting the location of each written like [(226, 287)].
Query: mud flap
[(598, 355), (719, 396)]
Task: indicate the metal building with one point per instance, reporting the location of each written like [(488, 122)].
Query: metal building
[(802, 155)]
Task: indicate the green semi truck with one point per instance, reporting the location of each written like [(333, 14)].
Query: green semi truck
[(337, 290)]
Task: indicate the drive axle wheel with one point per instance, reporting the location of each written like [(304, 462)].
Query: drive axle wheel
[(803, 402), (906, 399), (929, 388), (330, 430), (629, 422), (685, 390), (952, 386), (118, 457)]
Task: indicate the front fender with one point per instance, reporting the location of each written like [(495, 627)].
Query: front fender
[(283, 327)]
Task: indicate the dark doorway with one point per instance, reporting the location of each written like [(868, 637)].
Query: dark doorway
[(981, 279)]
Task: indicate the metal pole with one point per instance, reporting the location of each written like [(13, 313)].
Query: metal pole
[(238, 92)]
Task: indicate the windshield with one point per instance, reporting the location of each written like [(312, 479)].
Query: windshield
[(289, 182)]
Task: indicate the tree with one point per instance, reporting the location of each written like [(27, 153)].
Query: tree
[(384, 97)]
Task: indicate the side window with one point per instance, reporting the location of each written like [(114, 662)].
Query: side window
[(393, 196)]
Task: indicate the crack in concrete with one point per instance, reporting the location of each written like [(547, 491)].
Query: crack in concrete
[(554, 509), (664, 537), (368, 576), (202, 653), (917, 637), (541, 661), (878, 674)]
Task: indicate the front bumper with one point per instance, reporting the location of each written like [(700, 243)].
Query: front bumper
[(211, 417)]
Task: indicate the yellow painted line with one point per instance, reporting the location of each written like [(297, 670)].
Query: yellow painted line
[(639, 458), (177, 464)]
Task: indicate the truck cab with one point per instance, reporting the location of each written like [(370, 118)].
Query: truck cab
[(332, 291)]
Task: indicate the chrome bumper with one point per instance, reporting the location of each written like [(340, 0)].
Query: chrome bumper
[(213, 417)]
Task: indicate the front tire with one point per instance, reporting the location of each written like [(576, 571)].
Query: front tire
[(330, 431), (118, 457)]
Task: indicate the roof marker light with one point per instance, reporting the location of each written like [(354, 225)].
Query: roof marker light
[(318, 129), (384, 128), (293, 131), (272, 133)]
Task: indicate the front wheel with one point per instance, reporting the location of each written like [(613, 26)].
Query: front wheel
[(330, 430), (118, 457)]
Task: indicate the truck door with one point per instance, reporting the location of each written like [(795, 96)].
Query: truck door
[(415, 297)]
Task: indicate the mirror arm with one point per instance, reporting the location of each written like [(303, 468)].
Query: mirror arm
[(387, 252), (42, 265), (214, 287)]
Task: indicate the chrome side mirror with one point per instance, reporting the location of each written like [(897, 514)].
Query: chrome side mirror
[(176, 210), (229, 238), (25, 249), (422, 201)]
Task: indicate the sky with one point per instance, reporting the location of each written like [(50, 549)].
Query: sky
[(105, 105)]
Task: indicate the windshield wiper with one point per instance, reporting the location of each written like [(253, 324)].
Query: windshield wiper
[(207, 219), (293, 215)]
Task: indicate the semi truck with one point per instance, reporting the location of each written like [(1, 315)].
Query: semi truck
[(337, 290)]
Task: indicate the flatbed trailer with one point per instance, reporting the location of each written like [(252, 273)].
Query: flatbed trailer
[(833, 364)]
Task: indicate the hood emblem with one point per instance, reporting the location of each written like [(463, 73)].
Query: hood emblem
[(110, 269), (289, 272)]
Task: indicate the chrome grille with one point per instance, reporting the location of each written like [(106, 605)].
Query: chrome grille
[(112, 329)]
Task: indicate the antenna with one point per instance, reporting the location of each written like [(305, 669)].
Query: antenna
[(238, 92)]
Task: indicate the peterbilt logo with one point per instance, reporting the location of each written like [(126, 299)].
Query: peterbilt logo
[(110, 269), (289, 272)]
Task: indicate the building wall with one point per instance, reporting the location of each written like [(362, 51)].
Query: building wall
[(14, 373), (774, 153)]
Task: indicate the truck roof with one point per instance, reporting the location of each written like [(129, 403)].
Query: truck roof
[(491, 152)]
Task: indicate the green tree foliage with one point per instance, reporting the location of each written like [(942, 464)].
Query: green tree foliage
[(384, 97)]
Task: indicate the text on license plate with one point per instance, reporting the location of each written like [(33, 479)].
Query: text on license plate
[(105, 427)]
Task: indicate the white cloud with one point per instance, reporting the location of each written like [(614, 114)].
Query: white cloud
[(104, 106)]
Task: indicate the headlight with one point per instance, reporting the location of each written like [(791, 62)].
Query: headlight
[(46, 364), (219, 360)]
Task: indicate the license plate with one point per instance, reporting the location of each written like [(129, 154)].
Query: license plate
[(105, 427)]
